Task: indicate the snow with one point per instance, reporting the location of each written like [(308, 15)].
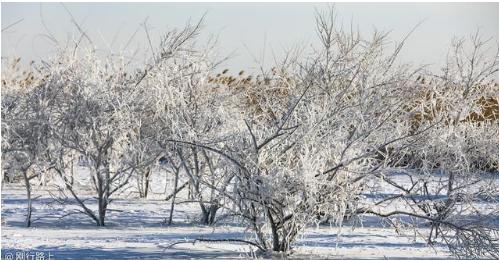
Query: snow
[(136, 230)]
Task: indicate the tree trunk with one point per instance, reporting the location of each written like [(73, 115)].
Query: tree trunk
[(102, 214), (71, 180), (172, 205), (206, 214), (281, 236), (209, 214), (28, 196), (275, 235), (103, 193), (146, 181), (213, 212), (102, 209)]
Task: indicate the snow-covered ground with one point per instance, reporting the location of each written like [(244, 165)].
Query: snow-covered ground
[(136, 230)]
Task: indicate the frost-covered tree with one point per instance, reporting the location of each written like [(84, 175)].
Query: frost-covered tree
[(103, 112), (305, 150), (449, 172), (189, 109), (24, 132), (92, 101)]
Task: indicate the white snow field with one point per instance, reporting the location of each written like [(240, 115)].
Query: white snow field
[(136, 229)]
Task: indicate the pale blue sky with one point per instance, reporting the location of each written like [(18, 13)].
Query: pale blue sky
[(243, 28)]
